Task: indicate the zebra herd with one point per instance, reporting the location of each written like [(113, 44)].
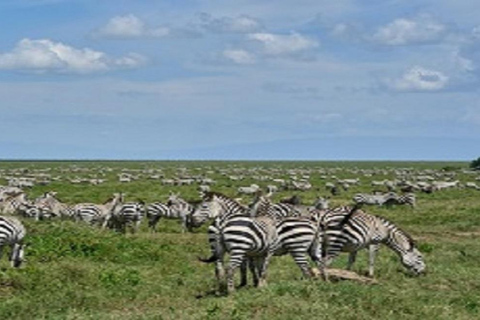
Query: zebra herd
[(251, 234)]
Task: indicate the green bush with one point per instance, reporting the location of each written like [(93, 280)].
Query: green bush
[(475, 163)]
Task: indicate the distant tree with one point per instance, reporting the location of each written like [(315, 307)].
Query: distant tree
[(475, 164)]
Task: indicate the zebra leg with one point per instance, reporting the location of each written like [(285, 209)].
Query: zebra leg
[(263, 266), (372, 251), (302, 263), (136, 226), (254, 271), (243, 271), (152, 223), (351, 259), (106, 220), (236, 259)]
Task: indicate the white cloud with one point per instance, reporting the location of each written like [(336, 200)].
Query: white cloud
[(45, 55), (130, 26), (239, 56), (422, 29), (277, 45), (239, 24), (420, 79)]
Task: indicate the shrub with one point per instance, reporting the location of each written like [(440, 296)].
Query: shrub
[(475, 164)]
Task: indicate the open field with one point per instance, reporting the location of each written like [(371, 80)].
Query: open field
[(75, 271)]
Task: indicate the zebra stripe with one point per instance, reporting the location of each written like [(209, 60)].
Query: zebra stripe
[(12, 233)]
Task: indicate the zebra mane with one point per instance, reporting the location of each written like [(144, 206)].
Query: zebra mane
[(209, 195), (411, 241)]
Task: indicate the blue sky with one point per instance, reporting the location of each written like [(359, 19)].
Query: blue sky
[(244, 79)]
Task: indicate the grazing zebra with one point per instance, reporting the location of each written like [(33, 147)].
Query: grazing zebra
[(98, 213), (13, 202), (51, 206), (128, 214), (12, 232), (408, 198), (350, 230), (244, 237), (374, 199), (262, 203)]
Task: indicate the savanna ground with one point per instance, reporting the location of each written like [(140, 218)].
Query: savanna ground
[(80, 272)]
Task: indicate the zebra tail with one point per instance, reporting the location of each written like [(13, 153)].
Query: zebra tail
[(211, 259), (215, 245)]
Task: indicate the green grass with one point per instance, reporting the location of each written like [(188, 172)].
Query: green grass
[(80, 272)]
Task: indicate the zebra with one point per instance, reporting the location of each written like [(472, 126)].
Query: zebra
[(350, 230), (172, 210), (244, 237), (372, 199), (51, 206), (12, 233), (128, 214), (408, 198), (98, 213), (262, 203), (296, 234), (13, 202)]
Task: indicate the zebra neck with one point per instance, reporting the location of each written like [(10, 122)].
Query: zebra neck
[(396, 240), (230, 208)]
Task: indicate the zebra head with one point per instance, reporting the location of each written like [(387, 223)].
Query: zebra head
[(322, 203), (413, 260), (259, 206), (16, 257), (215, 205), (207, 209), (174, 198)]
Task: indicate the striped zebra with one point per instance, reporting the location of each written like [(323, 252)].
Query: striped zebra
[(244, 237), (98, 213), (51, 206), (12, 233), (408, 198), (180, 210), (374, 199), (128, 214), (12, 202), (296, 235), (350, 230), (262, 203)]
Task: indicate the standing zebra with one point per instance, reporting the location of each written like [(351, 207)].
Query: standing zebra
[(244, 237), (296, 235), (98, 213), (178, 209), (12, 232), (128, 214), (350, 230), (50, 205)]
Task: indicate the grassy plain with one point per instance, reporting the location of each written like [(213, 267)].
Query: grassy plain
[(80, 272)]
